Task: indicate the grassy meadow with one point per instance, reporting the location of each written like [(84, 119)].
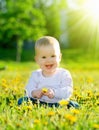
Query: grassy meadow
[(85, 73)]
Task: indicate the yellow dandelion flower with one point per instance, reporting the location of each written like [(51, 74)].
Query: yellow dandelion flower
[(4, 85), (89, 80), (51, 113), (71, 118), (45, 123), (97, 103), (18, 108), (63, 102), (34, 105), (96, 126), (36, 121), (79, 97), (89, 93), (44, 90), (97, 95), (4, 80), (18, 125), (29, 107), (75, 111)]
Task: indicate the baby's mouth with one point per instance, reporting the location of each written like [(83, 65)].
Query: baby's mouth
[(49, 66)]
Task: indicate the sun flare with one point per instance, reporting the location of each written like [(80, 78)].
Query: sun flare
[(92, 9), (85, 18)]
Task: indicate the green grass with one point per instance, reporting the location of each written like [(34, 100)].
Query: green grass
[(85, 75)]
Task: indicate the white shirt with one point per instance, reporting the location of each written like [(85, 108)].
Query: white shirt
[(60, 82)]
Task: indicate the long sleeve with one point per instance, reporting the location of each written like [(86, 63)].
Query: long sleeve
[(60, 82), (66, 86), (31, 85)]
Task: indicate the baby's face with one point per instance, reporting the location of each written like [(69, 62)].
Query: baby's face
[(48, 58)]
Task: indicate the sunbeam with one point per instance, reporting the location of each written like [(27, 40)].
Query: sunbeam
[(92, 9), (84, 26)]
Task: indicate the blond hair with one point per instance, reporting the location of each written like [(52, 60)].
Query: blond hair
[(46, 41)]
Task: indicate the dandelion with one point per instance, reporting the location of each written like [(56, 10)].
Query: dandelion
[(29, 107), (89, 93), (63, 102), (79, 97), (4, 81), (44, 90), (88, 98), (97, 103), (89, 80), (45, 123), (11, 103), (4, 85), (96, 126), (18, 108), (36, 121), (71, 118), (97, 95), (75, 111), (18, 125), (34, 105), (29, 103), (51, 113)]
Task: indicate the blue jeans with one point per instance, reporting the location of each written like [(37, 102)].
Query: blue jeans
[(34, 101)]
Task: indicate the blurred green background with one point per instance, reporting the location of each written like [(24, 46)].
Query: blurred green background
[(22, 22)]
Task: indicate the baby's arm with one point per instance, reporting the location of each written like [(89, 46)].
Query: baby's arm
[(66, 86), (31, 89), (50, 93)]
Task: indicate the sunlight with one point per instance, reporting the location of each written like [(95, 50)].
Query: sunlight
[(87, 21), (92, 9)]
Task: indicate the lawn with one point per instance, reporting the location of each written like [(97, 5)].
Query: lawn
[(13, 79)]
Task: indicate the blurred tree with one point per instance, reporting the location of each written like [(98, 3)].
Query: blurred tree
[(20, 20), (52, 15), (55, 13), (25, 19)]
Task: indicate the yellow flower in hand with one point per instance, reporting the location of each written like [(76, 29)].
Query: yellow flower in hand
[(44, 90)]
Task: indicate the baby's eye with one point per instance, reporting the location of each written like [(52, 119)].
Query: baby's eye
[(53, 56), (43, 57)]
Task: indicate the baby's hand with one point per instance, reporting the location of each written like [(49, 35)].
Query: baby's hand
[(49, 93), (37, 93)]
